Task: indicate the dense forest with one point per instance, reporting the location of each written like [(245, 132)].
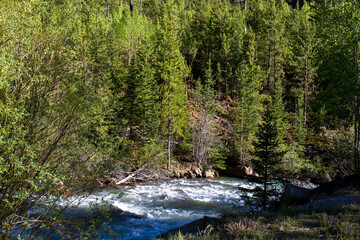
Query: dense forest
[(92, 87)]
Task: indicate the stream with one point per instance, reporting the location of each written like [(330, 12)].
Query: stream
[(146, 210), (166, 205)]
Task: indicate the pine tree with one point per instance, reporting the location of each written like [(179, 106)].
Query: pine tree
[(303, 40), (266, 158), (268, 20), (140, 106), (337, 76), (171, 73), (277, 109), (248, 99)]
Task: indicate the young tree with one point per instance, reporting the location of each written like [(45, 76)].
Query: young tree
[(47, 89), (266, 158)]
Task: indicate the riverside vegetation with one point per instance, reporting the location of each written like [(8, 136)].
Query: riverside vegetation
[(289, 223), (104, 89)]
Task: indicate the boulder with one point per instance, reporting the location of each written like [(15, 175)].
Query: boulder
[(240, 171), (338, 201), (198, 172), (209, 174), (294, 195), (114, 210), (336, 186), (182, 195), (61, 189), (192, 228)]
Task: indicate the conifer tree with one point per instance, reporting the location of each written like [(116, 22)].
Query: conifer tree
[(277, 108), (248, 99), (205, 140), (302, 37), (140, 106), (266, 158), (268, 20), (171, 73), (337, 76)]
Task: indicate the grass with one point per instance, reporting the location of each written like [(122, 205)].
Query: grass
[(288, 223)]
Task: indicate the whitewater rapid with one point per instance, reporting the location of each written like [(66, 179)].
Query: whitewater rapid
[(166, 205)]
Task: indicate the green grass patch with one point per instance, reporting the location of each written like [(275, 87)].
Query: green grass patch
[(287, 223)]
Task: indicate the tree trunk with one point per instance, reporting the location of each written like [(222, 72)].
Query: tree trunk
[(357, 133), (305, 91), (169, 142), (357, 111), (245, 25)]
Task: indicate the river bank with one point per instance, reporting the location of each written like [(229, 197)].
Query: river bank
[(332, 210), (289, 223), (120, 177)]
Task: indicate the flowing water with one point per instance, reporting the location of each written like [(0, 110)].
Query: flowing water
[(150, 209), (167, 205)]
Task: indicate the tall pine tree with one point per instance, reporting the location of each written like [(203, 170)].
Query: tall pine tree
[(171, 74)]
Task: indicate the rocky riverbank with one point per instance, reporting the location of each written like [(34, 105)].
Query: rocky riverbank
[(121, 177), (302, 213)]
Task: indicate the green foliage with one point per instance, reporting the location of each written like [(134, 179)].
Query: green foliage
[(89, 85), (248, 102), (277, 109), (150, 154), (171, 71), (266, 158), (301, 61), (337, 56), (205, 139)]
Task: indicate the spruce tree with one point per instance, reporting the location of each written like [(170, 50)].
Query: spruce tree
[(266, 159), (303, 39), (171, 73), (268, 18), (140, 106), (337, 76), (248, 100)]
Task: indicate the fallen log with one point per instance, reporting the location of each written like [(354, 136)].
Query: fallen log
[(128, 177)]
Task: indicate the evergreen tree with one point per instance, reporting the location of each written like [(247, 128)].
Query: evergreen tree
[(266, 159), (140, 106), (277, 108), (248, 100), (303, 40), (337, 77), (268, 20), (171, 73)]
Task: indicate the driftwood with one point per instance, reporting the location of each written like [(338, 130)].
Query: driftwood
[(140, 175), (128, 177)]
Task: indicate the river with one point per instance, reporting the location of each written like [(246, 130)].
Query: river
[(166, 205)]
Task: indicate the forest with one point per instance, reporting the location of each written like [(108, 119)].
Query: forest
[(91, 88)]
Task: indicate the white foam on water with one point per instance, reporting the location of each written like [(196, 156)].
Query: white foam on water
[(184, 198), (166, 204)]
